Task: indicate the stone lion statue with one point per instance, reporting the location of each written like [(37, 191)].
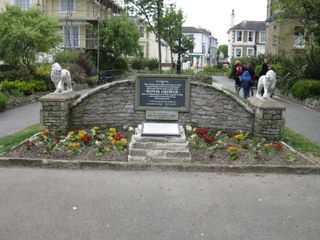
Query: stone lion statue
[(267, 83), (61, 78)]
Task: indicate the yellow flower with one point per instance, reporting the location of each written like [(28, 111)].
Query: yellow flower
[(123, 140), (240, 136), (71, 133), (267, 145), (82, 133), (74, 145), (233, 149), (44, 133), (113, 141), (112, 132), (96, 128)]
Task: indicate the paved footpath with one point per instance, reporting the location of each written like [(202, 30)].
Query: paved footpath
[(51, 204), (298, 118)]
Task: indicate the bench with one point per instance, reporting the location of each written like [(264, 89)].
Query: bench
[(107, 76)]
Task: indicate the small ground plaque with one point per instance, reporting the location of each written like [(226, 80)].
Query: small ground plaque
[(160, 129), (162, 115)]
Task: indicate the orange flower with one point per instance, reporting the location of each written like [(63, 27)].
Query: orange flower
[(82, 133), (44, 133), (239, 136)]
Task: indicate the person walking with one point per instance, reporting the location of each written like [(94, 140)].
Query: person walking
[(235, 74), (250, 69), (246, 83)]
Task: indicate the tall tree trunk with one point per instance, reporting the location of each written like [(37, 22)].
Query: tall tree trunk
[(159, 8), (160, 57)]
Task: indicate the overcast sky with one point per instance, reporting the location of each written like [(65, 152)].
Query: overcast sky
[(215, 15)]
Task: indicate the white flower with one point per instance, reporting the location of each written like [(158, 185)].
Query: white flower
[(125, 127), (188, 128), (98, 143), (130, 129)]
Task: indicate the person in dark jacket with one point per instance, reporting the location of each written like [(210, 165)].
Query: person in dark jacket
[(246, 83), (237, 70), (250, 69)]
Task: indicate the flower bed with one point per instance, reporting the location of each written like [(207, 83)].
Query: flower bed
[(238, 149), (206, 147)]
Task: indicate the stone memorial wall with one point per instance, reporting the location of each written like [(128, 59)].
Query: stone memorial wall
[(114, 105)]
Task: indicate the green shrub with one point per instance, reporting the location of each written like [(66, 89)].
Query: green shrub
[(138, 63), (66, 57), (92, 81), (78, 75), (304, 89), (152, 64), (26, 87), (3, 101), (121, 65)]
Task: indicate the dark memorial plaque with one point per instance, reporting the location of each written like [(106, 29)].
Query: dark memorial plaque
[(162, 93)]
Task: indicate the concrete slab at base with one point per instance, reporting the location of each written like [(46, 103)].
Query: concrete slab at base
[(169, 149)]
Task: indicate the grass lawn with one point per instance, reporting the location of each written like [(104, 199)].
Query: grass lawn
[(300, 143), (7, 142)]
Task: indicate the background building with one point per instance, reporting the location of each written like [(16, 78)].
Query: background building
[(283, 37), (247, 38), (205, 48)]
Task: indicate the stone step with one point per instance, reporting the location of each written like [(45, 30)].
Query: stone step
[(139, 152), (158, 160), (138, 138), (159, 146)]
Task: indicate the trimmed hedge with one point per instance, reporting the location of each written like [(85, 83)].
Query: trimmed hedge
[(3, 101), (27, 87), (306, 88)]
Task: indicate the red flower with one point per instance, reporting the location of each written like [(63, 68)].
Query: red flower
[(56, 138), (30, 144), (118, 137), (201, 131), (208, 138), (86, 138)]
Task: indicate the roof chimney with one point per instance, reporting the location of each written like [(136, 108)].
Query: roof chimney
[(232, 18)]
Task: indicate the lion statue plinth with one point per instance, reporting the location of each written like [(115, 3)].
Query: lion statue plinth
[(267, 83), (61, 79)]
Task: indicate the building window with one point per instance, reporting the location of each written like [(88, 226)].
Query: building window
[(238, 52), (141, 30), (71, 36), (239, 36), (203, 49), (262, 37), (299, 37), (25, 4), (250, 51), (68, 5), (251, 36)]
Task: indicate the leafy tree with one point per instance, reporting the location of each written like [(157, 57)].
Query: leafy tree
[(306, 11), (224, 50), (119, 36), (172, 24), (151, 11), (25, 33)]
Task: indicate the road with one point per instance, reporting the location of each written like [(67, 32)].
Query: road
[(298, 118), (51, 204)]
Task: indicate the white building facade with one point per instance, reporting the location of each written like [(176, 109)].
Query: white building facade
[(205, 48)]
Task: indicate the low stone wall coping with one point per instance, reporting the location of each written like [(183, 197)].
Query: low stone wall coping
[(59, 97), (266, 104)]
